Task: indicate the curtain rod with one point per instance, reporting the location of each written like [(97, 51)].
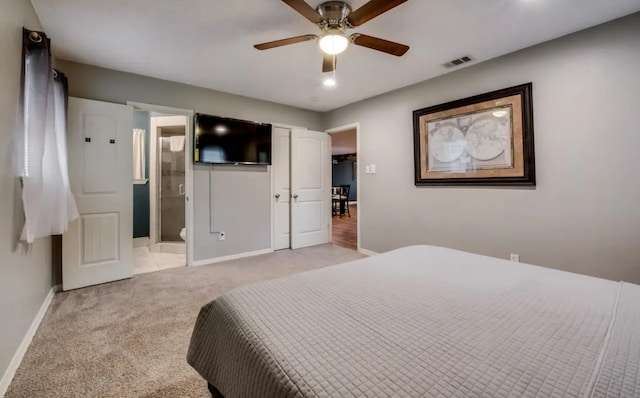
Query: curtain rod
[(35, 37)]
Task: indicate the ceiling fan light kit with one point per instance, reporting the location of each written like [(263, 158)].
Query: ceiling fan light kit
[(333, 42), (333, 18)]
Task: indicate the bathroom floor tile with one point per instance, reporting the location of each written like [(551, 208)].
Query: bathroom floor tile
[(149, 261)]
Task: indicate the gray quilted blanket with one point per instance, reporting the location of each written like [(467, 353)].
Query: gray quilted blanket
[(423, 321)]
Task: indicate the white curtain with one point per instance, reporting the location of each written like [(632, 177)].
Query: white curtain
[(138, 155), (48, 203)]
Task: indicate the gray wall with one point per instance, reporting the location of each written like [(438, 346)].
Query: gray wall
[(25, 274), (249, 228), (240, 207), (583, 215), (141, 201)]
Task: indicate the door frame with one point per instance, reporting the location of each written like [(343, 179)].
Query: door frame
[(350, 126), (188, 164)]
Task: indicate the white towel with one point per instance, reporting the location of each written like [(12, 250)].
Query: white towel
[(176, 143), (138, 154)]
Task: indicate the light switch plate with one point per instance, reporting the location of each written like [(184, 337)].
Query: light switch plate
[(367, 170), (373, 169)]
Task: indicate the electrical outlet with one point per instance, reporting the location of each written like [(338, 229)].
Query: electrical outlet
[(221, 235), (515, 258)]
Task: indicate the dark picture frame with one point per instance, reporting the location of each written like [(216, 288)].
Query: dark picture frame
[(485, 140)]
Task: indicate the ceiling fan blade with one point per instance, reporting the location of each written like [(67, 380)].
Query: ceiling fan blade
[(285, 42), (329, 63), (371, 10), (375, 43), (305, 10)]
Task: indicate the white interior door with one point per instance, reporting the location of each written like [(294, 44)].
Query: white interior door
[(310, 188), (98, 247), (280, 168)]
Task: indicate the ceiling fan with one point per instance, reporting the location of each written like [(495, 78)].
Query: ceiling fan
[(334, 18)]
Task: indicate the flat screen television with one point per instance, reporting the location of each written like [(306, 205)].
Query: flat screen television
[(221, 140)]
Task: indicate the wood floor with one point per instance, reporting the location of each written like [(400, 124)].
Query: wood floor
[(345, 229)]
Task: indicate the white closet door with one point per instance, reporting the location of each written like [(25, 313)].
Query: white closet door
[(281, 167), (310, 188), (98, 247)]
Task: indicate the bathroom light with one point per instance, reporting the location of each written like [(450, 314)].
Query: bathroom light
[(333, 42), (329, 82)]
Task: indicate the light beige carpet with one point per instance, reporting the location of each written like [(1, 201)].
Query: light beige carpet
[(130, 338)]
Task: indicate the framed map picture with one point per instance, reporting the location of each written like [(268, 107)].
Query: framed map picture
[(481, 140)]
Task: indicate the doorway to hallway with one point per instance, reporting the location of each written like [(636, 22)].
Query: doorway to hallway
[(344, 182)]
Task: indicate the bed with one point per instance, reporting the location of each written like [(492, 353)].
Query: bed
[(422, 321)]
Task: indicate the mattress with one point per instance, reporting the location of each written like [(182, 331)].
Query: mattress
[(423, 321)]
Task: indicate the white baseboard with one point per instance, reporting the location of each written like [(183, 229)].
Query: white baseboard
[(6, 379), (231, 257), (367, 252)]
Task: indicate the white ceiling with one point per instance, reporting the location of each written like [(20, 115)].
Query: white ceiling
[(209, 43)]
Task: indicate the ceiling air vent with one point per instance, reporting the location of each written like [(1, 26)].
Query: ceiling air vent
[(458, 61)]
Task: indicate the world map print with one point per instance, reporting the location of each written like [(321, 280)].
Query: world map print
[(477, 141)]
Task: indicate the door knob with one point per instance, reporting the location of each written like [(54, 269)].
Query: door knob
[(295, 196), (277, 196)]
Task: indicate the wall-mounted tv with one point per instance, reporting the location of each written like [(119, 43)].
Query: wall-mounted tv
[(223, 140)]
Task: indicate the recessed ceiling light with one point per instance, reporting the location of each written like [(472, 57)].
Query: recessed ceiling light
[(329, 82)]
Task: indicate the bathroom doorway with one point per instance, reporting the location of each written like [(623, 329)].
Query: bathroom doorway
[(161, 218), (170, 185)]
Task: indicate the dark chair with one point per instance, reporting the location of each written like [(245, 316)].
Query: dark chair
[(335, 200), (344, 199)]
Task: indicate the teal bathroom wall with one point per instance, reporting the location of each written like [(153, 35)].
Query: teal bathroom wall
[(141, 205)]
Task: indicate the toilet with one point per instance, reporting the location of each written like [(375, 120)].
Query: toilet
[(183, 234)]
